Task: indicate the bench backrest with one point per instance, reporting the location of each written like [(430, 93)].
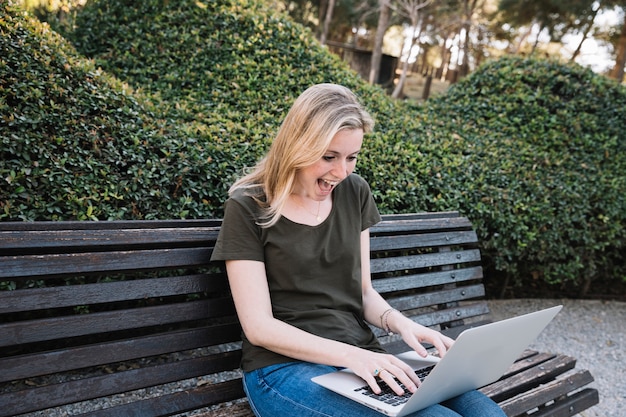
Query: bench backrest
[(104, 308)]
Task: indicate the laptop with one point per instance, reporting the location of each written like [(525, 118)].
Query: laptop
[(479, 356)]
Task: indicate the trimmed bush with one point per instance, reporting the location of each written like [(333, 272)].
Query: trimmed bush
[(76, 143), (540, 163)]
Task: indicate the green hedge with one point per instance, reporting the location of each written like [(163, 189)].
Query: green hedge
[(541, 152), (165, 102)]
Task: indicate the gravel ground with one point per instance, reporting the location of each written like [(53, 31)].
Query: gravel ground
[(592, 331)]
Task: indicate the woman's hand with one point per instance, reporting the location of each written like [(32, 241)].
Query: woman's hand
[(415, 334), (375, 368)]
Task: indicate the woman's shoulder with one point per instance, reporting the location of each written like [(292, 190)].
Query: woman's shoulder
[(247, 194), (247, 198), (356, 184), (356, 181), (353, 188)]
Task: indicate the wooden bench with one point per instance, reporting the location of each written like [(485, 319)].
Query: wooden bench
[(134, 311)]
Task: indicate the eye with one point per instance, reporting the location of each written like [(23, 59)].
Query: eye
[(328, 157)]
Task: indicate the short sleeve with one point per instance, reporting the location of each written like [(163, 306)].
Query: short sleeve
[(240, 236), (369, 212)]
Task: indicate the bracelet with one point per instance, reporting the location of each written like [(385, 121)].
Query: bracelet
[(383, 320)]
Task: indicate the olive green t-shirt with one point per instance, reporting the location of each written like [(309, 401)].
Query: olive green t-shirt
[(313, 272)]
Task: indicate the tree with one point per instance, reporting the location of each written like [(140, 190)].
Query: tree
[(384, 17), (587, 28), (620, 61), (411, 10), (330, 7)]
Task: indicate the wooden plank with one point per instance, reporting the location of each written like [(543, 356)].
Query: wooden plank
[(179, 402), (70, 240), (421, 215), (421, 225), (427, 260), (546, 393), (33, 299), (109, 224), (528, 353), (112, 321), (88, 388), (427, 240), (78, 357), (238, 409), (435, 298), (528, 362), (422, 280), (54, 265), (529, 379), (571, 405), (444, 317)]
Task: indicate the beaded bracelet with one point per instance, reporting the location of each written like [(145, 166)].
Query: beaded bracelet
[(383, 320)]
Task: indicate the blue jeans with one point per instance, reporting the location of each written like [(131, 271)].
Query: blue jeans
[(287, 390)]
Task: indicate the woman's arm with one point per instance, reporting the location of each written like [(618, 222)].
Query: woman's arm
[(375, 307)]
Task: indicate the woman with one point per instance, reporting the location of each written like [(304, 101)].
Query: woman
[(295, 239)]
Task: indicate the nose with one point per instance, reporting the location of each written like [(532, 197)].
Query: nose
[(341, 169)]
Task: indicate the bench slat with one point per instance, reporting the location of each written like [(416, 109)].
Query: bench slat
[(112, 321), (54, 265), (427, 240), (420, 225), (428, 279), (89, 388), (452, 314), (77, 357), (421, 215), (182, 401), (424, 260), (546, 393), (409, 302), (528, 362), (67, 296), (62, 241), (571, 405), (109, 225), (529, 378)]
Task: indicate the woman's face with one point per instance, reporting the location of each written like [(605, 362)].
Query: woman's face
[(317, 181)]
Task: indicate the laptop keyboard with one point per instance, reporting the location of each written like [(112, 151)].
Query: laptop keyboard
[(388, 396)]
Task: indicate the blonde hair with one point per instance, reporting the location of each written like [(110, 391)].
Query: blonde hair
[(304, 136)]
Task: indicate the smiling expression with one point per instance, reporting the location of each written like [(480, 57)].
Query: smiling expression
[(317, 181)]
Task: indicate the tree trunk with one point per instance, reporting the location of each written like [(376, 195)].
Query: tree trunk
[(586, 32), (536, 44), (439, 74), (321, 12), (381, 29), (467, 26), (620, 59), (327, 19), (523, 38), (397, 92)]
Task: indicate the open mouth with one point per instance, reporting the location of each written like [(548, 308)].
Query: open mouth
[(325, 185)]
